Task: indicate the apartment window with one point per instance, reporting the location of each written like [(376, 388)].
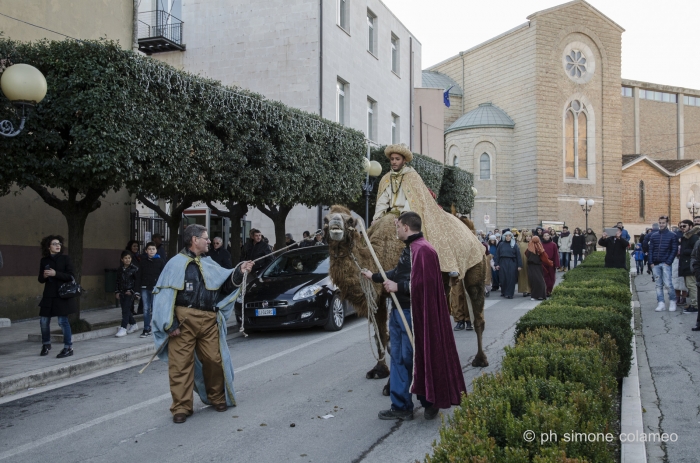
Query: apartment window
[(340, 102), (371, 105), (484, 166), (395, 54), (658, 96), (394, 129), (641, 199), (691, 100), (576, 133), (371, 33), (626, 91), (343, 14)]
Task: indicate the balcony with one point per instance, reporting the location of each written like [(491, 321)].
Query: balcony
[(159, 32)]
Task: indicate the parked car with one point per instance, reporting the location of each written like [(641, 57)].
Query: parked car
[(295, 290)]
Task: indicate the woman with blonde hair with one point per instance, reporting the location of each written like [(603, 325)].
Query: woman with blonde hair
[(523, 283)]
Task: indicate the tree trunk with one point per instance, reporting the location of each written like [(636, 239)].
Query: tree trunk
[(278, 214), (76, 213), (174, 219), (235, 214)]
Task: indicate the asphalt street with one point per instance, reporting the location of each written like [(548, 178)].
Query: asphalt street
[(302, 397), (667, 352)]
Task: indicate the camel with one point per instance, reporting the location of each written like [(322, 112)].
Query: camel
[(348, 251)]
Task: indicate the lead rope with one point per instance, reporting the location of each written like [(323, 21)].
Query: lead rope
[(245, 282), (371, 297)]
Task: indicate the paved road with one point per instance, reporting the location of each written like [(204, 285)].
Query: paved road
[(282, 378), (668, 360)]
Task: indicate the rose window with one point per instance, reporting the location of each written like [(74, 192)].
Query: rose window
[(575, 63)]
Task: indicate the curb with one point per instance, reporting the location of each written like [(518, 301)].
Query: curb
[(98, 333), (631, 421), (35, 378)]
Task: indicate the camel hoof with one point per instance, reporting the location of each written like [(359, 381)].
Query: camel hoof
[(385, 390), (480, 361)]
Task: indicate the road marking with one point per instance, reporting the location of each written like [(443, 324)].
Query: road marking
[(110, 416)]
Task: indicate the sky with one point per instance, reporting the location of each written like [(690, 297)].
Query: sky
[(659, 43)]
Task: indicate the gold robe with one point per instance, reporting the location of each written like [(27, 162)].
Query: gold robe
[(457, 247)]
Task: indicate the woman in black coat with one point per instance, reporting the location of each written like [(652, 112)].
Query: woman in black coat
[(54, 270), (508, 262), (578, 245)]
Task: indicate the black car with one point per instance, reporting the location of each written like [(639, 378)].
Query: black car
[(295, 290)]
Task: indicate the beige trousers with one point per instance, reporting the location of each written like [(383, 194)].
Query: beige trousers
[(199, 333)]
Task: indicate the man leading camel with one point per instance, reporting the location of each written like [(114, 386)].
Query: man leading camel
[(403, 190), (432, 371)]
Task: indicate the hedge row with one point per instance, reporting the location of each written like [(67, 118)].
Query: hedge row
[(559, 378)]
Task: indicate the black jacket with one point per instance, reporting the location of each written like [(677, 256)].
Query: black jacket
[(126, 279), (615, 251), (196, 295), (578, 244), (687, 245), (401, 275), (221, 256), (149, 271), (51, 304), (253, 250), (695, 262)]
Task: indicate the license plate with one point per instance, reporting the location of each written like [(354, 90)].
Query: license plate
[(265, 312)]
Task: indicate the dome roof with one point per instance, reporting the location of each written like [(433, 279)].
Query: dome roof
[(432, 79), (486, 115)]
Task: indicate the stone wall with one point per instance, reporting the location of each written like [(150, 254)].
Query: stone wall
[(658, 128), (691, 117), (657, 194), (627, 135)]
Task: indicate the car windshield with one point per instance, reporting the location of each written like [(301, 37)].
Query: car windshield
[(299, 264)]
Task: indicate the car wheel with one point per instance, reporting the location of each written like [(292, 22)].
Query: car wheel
[(336, 314)]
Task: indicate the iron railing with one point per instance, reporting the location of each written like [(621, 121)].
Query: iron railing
[(151, 225), (160, 23)]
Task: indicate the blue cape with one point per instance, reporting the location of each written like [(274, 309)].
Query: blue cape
[(171, 280)]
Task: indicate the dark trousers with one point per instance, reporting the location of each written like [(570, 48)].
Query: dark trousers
[(127, 302), (640, 266)]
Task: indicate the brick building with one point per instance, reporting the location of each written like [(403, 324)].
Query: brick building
[(542, 117)]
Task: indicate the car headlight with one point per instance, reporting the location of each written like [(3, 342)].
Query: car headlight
[(307, 292)]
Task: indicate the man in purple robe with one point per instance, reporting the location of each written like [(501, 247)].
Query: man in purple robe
[(432, 371)]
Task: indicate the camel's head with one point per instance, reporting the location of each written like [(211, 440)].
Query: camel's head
[(338, 223)]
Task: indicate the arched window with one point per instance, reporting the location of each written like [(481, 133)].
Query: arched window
[(642, 199), (576, 141), (455, 161), (485, 167)]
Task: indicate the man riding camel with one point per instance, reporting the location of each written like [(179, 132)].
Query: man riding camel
[(402, 190)]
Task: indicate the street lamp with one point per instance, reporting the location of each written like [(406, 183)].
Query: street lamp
[(24, 86), (373, 169), (586, 206), (693, 208)]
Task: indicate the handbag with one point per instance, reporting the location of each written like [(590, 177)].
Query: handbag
[(70, 290)]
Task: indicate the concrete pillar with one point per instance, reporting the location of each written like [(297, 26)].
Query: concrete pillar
[(637, 138), (680, 126)]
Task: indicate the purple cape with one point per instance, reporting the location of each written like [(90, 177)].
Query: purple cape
[(437, 374)]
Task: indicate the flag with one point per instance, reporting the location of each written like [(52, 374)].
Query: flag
[(446, 97)]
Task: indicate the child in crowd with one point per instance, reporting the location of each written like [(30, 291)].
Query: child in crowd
[(125, 293), (639, 258), (146, 279)]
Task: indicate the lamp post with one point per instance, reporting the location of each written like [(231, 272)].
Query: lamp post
[(586, 206), (373, 169), (24, 86), (693, 208)]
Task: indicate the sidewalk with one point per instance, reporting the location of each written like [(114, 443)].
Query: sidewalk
[(22, 368), (667, 352)]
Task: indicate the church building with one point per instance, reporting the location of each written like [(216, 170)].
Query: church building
[(542, 117)]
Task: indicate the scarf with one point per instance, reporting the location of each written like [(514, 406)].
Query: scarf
[(512, 240), (534, 246)]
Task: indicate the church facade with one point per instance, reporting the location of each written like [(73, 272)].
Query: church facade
[(542, 117)]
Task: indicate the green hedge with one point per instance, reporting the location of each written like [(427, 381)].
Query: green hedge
[(602, 320), (490, 423), (560, 376)]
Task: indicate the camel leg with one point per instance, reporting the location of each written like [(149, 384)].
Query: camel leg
[(476, 294), (380, 370)]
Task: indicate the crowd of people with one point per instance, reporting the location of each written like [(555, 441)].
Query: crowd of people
[(529, 259)]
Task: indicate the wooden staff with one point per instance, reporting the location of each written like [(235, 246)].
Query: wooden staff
[(363, 232)]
